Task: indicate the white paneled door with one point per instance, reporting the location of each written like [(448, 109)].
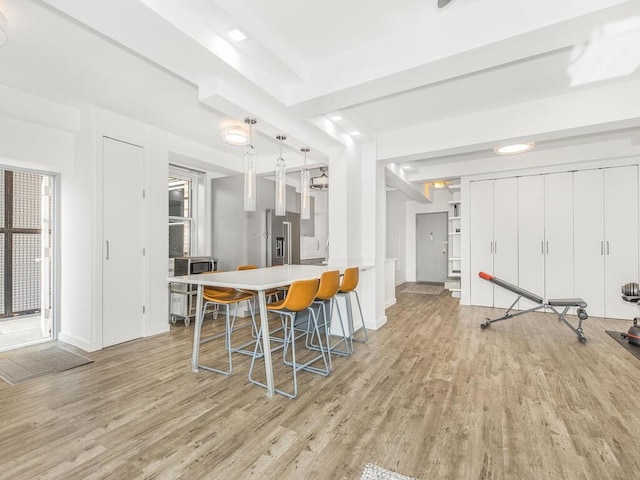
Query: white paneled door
[(531, 236), (481, 245), (588, 244), (505, 238), (558, 235), (123, 242), (621, 238)]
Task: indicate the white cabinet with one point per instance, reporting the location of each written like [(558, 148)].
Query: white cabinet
[(493, 233), (481, 241), (606, 238), (558, 236), (545, 235), (570, 234), (505, 237), (530, 236)]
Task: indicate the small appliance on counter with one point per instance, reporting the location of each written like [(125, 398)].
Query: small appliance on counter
[(182, 297)]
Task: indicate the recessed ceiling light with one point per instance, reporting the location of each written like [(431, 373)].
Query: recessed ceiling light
[(336, 118), (355, 133), (514, 149), (236, 35)]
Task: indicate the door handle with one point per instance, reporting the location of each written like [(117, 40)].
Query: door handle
[(547, 247), (542, 246), (287, 228), (607, 247), (495, 247), (601, 247), (107, 242)]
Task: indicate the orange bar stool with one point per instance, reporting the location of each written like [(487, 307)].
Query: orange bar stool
[(348, 286), (215, 297), (299, 298), (329, 286)]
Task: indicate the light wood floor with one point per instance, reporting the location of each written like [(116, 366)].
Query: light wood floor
[(431, 396)]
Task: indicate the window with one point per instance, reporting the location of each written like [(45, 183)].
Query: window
[(25, 237), (186, 203)]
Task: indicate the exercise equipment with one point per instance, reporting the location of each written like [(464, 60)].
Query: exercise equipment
[(563, 304)]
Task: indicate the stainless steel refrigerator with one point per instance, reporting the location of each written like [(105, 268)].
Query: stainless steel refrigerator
[(283, 238)]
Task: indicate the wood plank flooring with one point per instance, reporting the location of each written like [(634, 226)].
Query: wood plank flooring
[(430, 396)]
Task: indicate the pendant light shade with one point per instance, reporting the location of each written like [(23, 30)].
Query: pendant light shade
[(250, 170), (281, 181), (305, 200), (321, 182)]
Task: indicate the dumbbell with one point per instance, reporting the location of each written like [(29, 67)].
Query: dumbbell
[(631, 289)]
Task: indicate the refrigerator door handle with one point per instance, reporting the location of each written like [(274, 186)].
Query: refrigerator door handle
[(287, 234)]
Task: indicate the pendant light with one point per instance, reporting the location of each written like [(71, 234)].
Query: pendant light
[(281, 181), (321, 182), (250, 170), (305, 201)]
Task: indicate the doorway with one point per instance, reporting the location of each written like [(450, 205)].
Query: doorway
[(26, 241), (432, 247)]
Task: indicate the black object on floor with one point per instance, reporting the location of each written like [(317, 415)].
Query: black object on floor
[(618, 337)]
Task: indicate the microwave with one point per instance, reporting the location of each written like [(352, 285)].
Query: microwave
[(194, 265)]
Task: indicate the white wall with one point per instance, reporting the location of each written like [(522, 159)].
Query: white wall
[(397, 233), (42, 135)]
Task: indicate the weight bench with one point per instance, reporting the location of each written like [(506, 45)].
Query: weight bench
[(567, 303)]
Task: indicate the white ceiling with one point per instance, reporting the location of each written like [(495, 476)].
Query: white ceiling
[(394, 70)]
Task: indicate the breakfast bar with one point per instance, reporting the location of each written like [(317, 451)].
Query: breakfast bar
[(259, 280)]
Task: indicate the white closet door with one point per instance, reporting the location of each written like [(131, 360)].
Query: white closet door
[(505, 238), (621, 238), (531, 236), (481, 240), (558, 228), (588, 241), (123, 242)]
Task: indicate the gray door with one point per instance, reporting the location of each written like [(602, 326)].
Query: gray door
[(431, 247)]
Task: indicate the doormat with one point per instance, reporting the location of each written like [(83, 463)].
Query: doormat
[(423, 289), (26, 366), (374, 472), (617, 336)]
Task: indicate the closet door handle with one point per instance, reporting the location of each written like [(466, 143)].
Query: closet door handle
[(547, 247), (491, 247), (601, 247), (542, 247), (107, 242), (495, 247), (607, 247)]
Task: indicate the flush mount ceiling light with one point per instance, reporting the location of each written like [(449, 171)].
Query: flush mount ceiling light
[(335, 118), (236, 35), (514, 149), (439, 184), (4, 29), (354, 133), (234, 135), (321, 182)]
